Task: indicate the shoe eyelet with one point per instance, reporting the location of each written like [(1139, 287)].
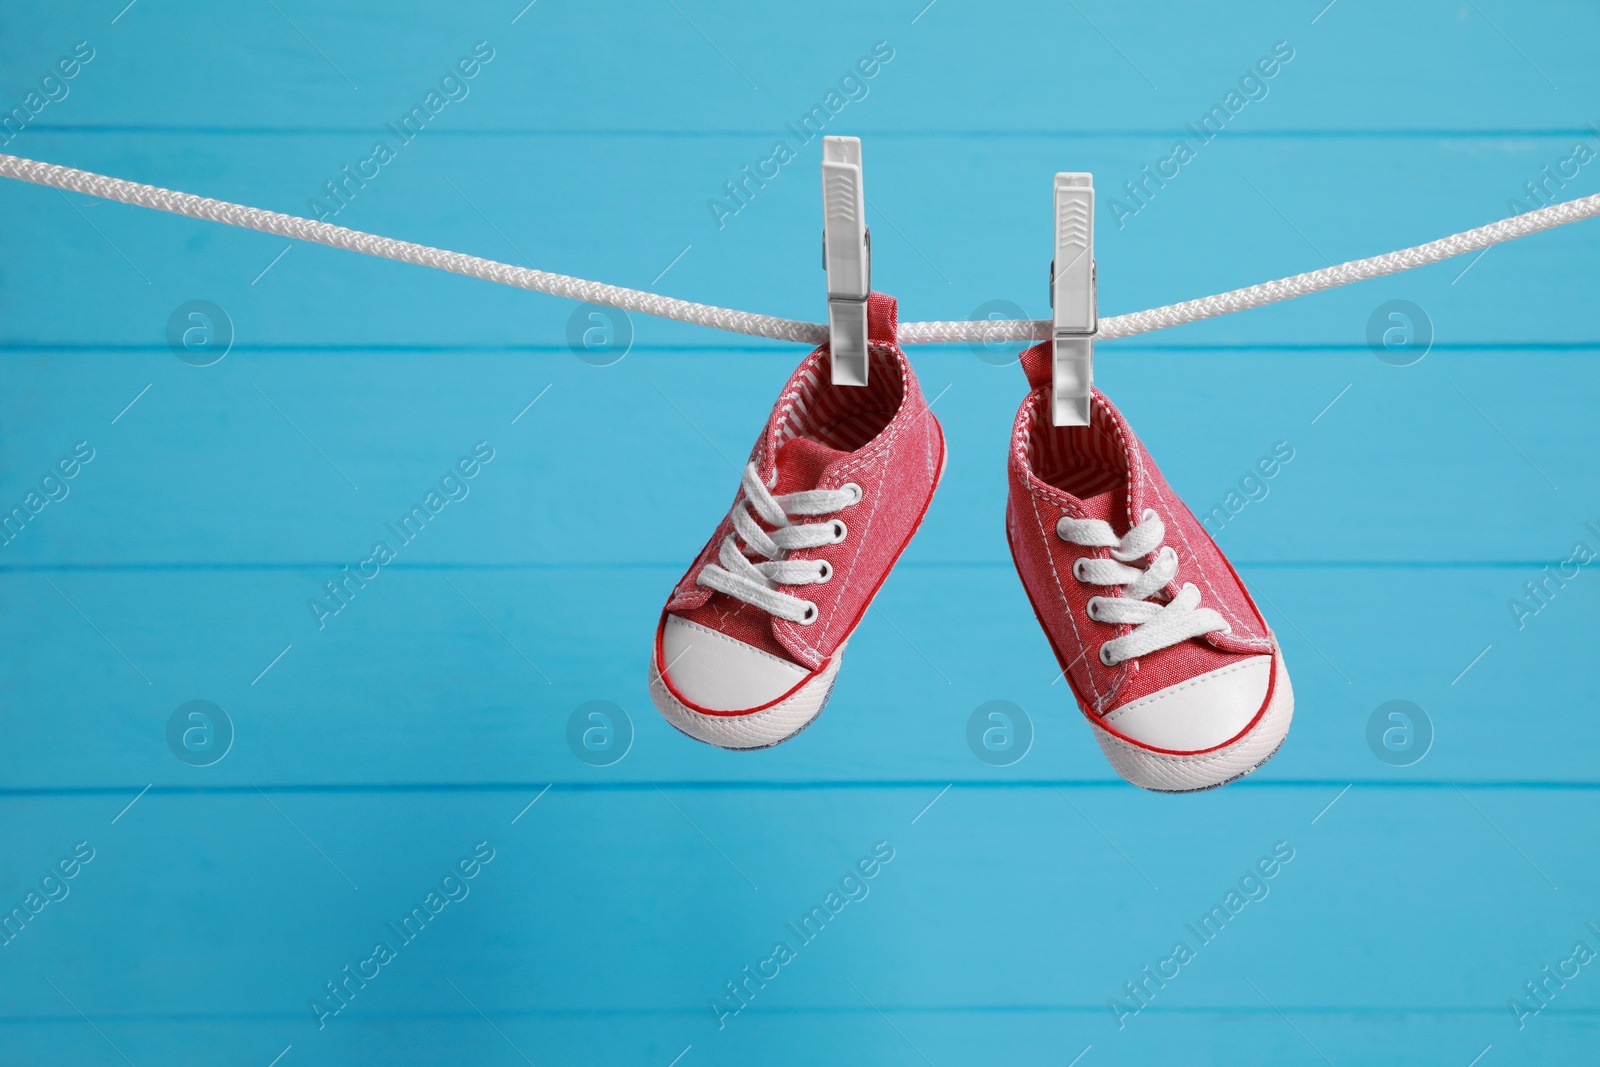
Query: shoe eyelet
[(1077, 568), (1092, 609), (1104, 656), (810, 615), (855, 492), (840, 530), (826, 574)]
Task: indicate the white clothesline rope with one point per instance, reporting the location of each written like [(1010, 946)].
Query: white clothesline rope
[(745, 322)]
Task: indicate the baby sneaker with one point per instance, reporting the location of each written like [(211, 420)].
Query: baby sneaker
[(1171, 662), (749, 645)]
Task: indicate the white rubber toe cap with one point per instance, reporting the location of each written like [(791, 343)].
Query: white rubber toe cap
[(718, 673), (1198, 714)]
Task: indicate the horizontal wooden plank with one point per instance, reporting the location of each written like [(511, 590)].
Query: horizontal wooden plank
[(709, 65), (636, 212), (464, 676), (946, 1036), (367, 759), (303, 457), (598, 905)]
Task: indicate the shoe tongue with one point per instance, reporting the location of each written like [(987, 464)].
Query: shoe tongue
[(1103, 472), (801, 464), (1107, 507)]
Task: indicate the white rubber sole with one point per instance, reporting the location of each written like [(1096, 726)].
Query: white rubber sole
[(1165, 773), (756, 729)]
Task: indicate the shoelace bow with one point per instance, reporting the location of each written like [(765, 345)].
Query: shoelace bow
[(735, 575), (1156, 625)]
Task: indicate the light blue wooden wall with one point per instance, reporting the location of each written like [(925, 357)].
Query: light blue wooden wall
[(375, 753)]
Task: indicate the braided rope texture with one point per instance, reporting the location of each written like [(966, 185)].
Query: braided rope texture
[(1270, 292), (745, 322), (300, 229)]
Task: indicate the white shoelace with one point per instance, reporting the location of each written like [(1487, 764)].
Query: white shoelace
[(1155, 625), (756, 583)]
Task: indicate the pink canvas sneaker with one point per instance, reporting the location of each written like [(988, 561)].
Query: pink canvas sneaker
[(749, 645), (1178, 674)]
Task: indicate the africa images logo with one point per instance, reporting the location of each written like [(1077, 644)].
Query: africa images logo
[(1252, 87), (453, 87), (853, 887), (1253, 886), (852, 87), (453, 486), (453, 887)]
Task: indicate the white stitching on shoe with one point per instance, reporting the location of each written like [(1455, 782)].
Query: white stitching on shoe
[(1045, 537), (1139, 481), (1255, 642), (861, 543), (879, 449)]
